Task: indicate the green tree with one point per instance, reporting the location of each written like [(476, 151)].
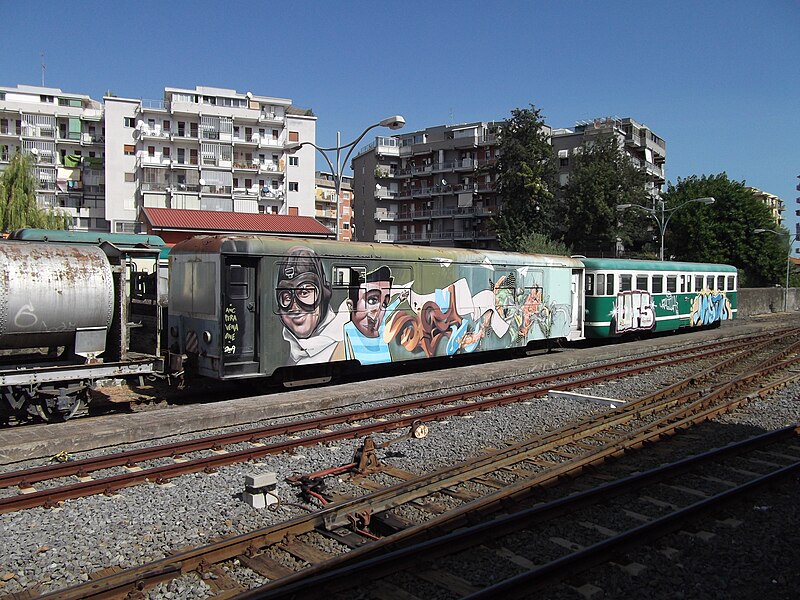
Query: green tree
[(723, 232), (602, 177), (18, 206), (525, 173), (540, 243)]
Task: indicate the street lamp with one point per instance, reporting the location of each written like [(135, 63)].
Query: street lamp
[(663, 215), (395, 122), (792, 240)]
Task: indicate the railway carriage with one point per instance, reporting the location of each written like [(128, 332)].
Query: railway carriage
[(625, 297), (246, 306)]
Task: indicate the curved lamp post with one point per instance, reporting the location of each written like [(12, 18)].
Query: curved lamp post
[(394, 122), (663, 214), (792, 240)]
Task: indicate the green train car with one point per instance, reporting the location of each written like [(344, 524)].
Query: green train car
[(624, 297), (245, 306)]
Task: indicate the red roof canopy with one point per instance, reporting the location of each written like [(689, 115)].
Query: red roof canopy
[(211, 221)]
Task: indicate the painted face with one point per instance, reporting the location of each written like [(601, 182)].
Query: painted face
[(373, 298), (299, 304)]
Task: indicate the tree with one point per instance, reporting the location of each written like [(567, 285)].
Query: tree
[(540, 243), (525, 174), (602, 177), (723, 232), (18, 205)]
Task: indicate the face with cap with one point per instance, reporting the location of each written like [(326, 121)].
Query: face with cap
[(369, 310), (302, 293)]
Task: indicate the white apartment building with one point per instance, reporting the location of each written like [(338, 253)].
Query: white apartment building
[(64, 133), (205, 148)]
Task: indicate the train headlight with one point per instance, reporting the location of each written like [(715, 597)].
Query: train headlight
[(207, 337)]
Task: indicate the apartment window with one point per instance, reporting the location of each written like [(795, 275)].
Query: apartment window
[(129, 122), (248, 183), (130, 150), (130, 177), (3, 125), (167, 125), (294, 136), (274, 134), (192, 157), (294, 186), (2, 95), (166, 152), (151, 151), (294, 161), (181, 128), (47, 99), (181, 156), (193, 130)]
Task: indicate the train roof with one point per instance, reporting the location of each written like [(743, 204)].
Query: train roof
[(86, 237), (276, 246), (623, 264)]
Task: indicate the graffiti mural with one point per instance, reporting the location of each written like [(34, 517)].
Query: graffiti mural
[(382, 319), (634, 311), (709, 307)]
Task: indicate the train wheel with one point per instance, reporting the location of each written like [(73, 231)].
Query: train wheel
[(57, 409)]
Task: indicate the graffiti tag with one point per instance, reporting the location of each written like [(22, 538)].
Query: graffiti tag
[(634, 311), (231, 329), (709, 307)]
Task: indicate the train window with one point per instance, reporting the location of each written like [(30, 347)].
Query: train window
[(720, 282), (710, 282), (625, 283), (672, 283), (731, 283), (589, 285), (641, 282), (344, 276), (658, 284), (682, 283), (238, 283), (698, 283), (609, 284)]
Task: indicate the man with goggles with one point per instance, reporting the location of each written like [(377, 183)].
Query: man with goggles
[(303, 299)]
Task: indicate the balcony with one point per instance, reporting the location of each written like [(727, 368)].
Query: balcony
[(384, 236), (244, 165), (381, 214), (156, 133), (270, 117)]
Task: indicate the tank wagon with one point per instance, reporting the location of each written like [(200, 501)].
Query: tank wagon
[(72, 314), (635, 297), (247, 306)]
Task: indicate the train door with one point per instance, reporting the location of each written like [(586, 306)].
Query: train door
[(239, 316), (576, 318)]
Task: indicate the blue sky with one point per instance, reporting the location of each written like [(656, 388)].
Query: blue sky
[(718, 80)]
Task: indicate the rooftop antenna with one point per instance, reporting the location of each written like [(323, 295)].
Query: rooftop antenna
[(452, 120), (43, 67)]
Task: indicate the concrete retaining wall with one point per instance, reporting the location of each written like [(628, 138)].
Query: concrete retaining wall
[(759, 301)]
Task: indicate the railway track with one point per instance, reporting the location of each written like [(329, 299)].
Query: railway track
[(457, 495), (314, 430)]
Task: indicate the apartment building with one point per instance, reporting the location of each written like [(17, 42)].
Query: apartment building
[(64, 134), (203, 148), (645, 148), (207, 149), (431, 186), (338, 221), (771, 201)]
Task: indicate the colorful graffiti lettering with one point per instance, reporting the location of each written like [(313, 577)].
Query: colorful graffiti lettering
[(633, 311), (709, 307)]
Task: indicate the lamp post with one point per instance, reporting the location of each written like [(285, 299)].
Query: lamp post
[(792, 240), (395, 122), (663, 215)]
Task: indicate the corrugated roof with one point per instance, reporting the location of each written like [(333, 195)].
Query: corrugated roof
[(218, 221)]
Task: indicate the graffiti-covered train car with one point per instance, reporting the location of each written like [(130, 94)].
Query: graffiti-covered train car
[(245, 306), (638, 296)]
